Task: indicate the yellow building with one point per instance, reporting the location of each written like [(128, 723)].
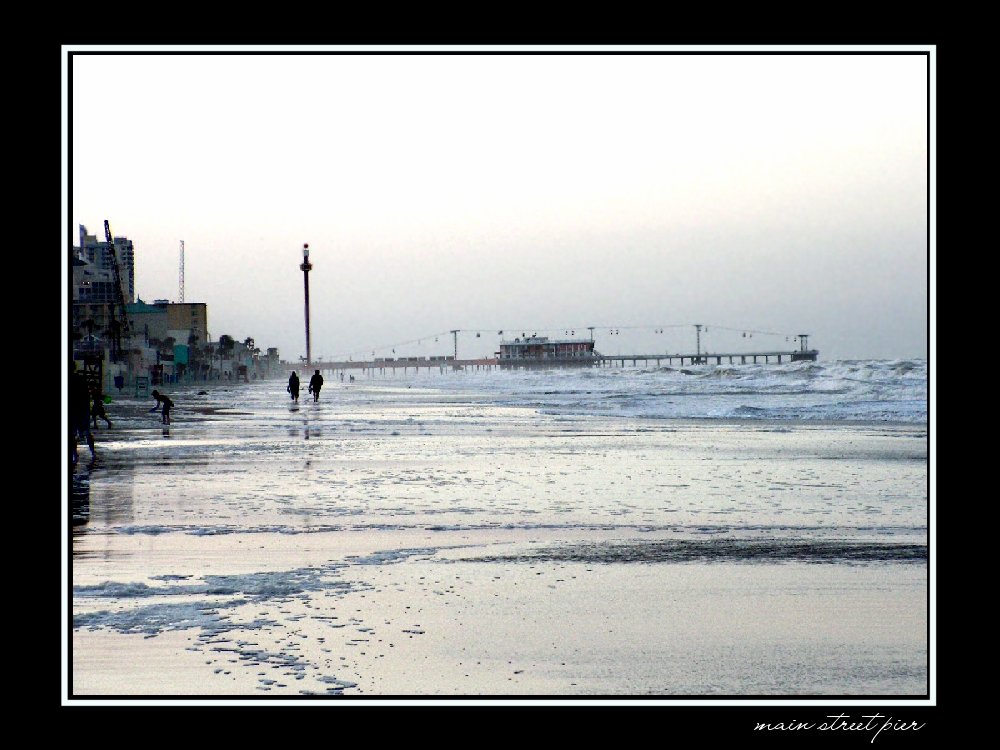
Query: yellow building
[(191, 318)]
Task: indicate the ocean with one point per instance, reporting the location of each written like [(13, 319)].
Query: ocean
[(646, 533)]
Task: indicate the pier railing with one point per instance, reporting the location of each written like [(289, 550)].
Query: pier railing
[(707, 358)]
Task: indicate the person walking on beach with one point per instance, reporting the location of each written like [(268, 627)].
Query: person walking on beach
[(79, 412), (97, 411), (164, 404), (293, 386), (315, 383)]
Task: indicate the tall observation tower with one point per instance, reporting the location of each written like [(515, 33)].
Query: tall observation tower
[(306, 267)]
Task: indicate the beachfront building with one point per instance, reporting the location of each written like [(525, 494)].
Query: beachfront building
[(148, 322), (174, 335), (93, 291), (186, 322), (539, 348), (98, 255), (186, 319), (93, 283), (166, 338)]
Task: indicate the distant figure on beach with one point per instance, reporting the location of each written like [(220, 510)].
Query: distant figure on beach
[(79, 412), (352, 378), (315, 383), (164, 404), (97, 411), (293, 386)]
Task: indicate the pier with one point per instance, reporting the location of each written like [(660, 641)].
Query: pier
[(450, 364), (542, 352)]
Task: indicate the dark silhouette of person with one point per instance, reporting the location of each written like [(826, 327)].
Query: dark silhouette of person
[(97, 411), (79, 412), (164, 404), (315, 383), (293, 386)]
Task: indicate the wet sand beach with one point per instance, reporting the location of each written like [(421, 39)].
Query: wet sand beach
[(416, 538)]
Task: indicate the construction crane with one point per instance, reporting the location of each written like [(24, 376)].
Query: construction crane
[(118, 315)]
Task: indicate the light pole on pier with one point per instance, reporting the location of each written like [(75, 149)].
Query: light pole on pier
[(697, 339), (306, 267), (455, 336)]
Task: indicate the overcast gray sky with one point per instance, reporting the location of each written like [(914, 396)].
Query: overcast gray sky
[(518, 192)]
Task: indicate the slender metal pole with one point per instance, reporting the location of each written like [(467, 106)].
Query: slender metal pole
[(306, 267), (180, 291), (698, 341)]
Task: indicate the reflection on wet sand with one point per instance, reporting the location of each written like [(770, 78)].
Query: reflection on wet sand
[(80, 495), (114, 504)]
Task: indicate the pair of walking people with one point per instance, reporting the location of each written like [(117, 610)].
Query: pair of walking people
[(315, 384)]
